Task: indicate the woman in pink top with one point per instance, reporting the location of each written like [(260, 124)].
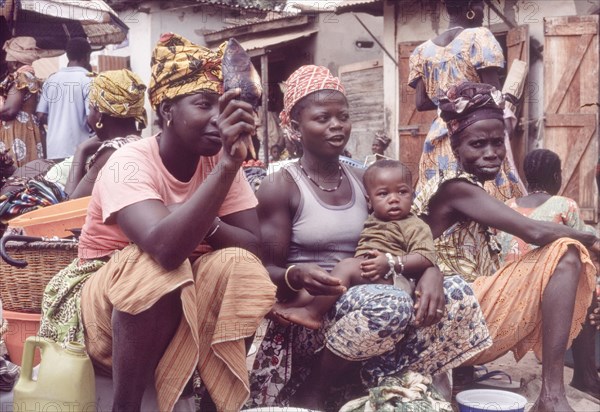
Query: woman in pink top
[(166, 282)]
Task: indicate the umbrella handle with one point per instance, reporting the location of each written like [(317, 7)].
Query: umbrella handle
[(15, 262)]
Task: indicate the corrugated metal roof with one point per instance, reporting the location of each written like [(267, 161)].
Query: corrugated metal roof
[(374, 7), (252, 23), (279, 39), (237, 4)]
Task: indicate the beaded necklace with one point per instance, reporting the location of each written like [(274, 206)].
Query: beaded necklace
[(325, 189)]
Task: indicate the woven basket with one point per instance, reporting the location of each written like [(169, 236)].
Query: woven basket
[(21, 290)]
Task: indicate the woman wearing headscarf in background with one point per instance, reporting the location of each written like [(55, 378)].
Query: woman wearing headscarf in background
[(117, 115), (378, 147), (165, 282), (380, 143), (466, 51), (20, 132), (537, 302), (311, 215)]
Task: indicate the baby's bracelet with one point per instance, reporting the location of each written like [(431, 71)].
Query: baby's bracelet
[(401, 265), (287, 281), (392, 264)]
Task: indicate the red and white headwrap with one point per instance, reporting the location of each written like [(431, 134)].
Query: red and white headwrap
[(304, 81)]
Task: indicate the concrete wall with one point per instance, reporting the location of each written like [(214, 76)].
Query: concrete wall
[(147, 23), (334, 45), (336, 40)]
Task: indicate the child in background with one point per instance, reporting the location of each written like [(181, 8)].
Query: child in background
[(394, 246)]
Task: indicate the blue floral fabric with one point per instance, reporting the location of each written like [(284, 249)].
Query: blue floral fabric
[(372, 325)]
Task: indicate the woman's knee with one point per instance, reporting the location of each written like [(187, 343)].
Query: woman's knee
[(385, 307), (571, 260)]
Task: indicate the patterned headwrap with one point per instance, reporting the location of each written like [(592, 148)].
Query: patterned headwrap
[(24, 50), (467, 103), (180, 67), (301, 83), (119, 93)]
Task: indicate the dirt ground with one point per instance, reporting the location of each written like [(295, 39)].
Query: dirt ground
[(529, 372)]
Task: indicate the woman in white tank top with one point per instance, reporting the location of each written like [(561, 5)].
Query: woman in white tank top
[(311, 215)]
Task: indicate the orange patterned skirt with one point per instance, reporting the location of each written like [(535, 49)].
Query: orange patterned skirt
[(514, 293)]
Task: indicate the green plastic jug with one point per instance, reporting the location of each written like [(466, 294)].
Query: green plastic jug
[(65, 380)]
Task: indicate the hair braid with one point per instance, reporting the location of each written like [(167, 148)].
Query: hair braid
[(542, 169)]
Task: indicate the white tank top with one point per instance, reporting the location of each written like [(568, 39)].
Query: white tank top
[(322, 233)]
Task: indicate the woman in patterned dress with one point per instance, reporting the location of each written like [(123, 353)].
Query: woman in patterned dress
[(20, 132), (311, 214), (537, 302), (466, 51)]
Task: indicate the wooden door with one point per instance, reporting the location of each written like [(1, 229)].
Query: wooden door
[(412, 124), (363, 82), (517, 45), (571, 105)]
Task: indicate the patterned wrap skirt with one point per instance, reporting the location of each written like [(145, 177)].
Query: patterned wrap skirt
[(373, 326)]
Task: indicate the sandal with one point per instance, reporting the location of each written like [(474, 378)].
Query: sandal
[(587, 391), (489, 380), (494, 380)]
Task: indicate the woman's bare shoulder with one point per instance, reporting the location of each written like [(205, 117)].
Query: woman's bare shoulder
[(277, 188)]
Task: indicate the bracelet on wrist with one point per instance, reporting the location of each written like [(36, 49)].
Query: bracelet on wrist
[(287, 281), (392, 264), (399, 259), (217, 226)]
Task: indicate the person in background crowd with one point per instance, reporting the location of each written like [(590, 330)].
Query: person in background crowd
[(380, 143), (64, 102), (466, 51), (117, 115), (275, 153), (20, 132)]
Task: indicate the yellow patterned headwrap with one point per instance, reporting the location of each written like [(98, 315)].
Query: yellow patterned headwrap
[(180, 67), (119, 93)]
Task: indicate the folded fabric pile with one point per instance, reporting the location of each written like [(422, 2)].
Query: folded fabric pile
[(34, 194), (410, 392)]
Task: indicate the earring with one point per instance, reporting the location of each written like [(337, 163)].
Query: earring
[(169, 123), (99, 125), (470, 14)]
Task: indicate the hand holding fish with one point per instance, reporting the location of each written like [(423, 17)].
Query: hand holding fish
[(236, 122), (239, 73)]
